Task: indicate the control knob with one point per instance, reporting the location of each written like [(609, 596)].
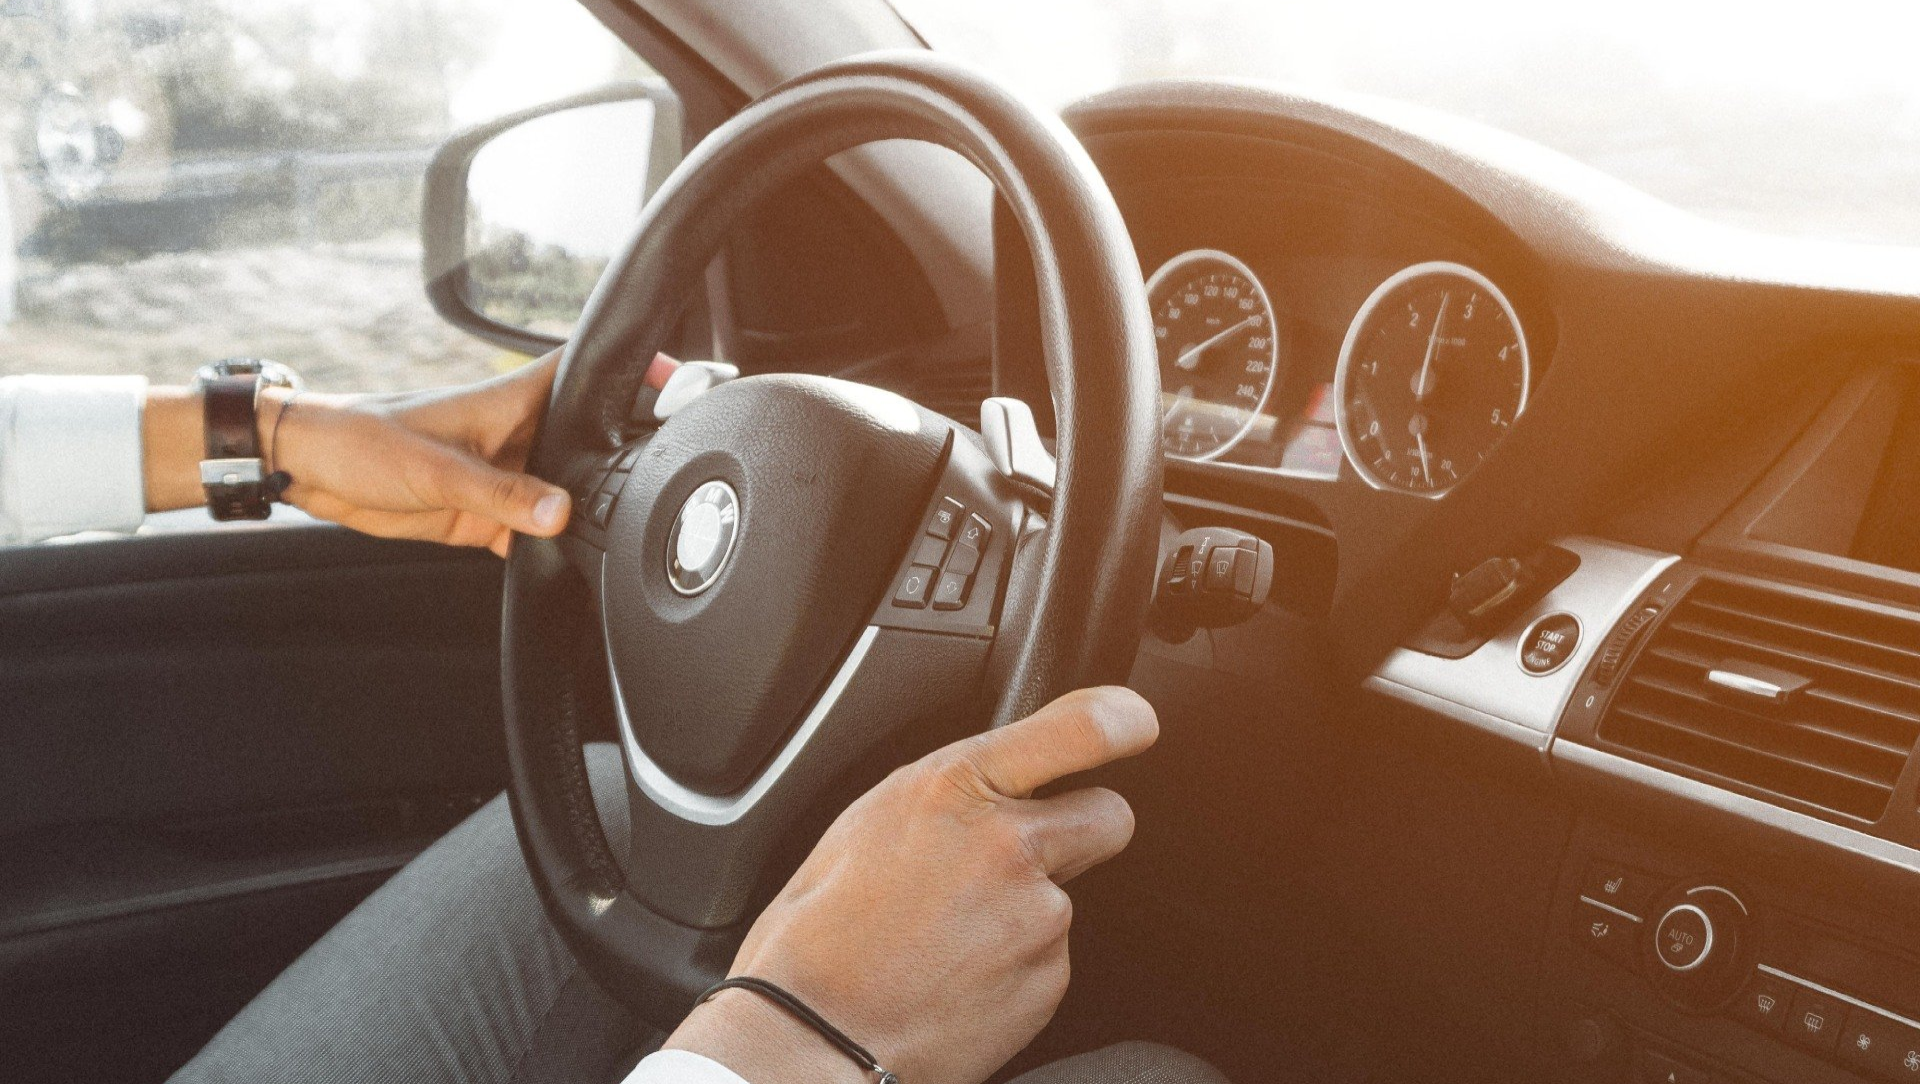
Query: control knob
[(1697, 946)]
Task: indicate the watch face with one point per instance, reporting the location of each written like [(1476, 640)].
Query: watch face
[(271, 373)]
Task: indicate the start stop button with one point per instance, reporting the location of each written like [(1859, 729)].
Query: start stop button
[(1549, 643)]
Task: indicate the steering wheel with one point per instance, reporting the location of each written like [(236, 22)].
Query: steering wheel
[(803, 581)]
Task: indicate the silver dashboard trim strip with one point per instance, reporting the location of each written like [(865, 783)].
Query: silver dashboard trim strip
[(688, 804), (1611, 909), (1873, 848), (1838, 996), (1489, 684), (1459, 713)]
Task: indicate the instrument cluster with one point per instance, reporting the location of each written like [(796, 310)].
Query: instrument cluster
[(1431, 372)]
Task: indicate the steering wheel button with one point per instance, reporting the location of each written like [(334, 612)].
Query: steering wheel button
[(929, 550), (946, 518), (976, 532), (601, 510), (951, 592), (912, 592), (963, 560)]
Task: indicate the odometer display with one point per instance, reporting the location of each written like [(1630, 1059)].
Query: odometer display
[(1433, 371), (1219, 351)]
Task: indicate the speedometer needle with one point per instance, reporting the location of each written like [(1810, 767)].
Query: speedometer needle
[(1426, 463), (1423, 384), (1189, 358)]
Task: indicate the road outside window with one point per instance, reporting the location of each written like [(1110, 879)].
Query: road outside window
[(188, 179)]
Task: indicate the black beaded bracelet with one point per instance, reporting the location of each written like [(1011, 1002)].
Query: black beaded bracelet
[(800, 1011)]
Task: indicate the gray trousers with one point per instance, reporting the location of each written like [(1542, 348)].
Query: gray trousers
[(450, 974)]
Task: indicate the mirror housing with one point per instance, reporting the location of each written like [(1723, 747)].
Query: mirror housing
[(445, 214)]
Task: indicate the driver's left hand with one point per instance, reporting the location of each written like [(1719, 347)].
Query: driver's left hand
[(441, 466)]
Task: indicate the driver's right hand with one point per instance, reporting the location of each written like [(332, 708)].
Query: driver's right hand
[(929, 922)]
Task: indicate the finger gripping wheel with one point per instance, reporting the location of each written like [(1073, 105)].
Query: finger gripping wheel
[(741, 604)]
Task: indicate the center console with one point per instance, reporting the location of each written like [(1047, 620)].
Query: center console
[(1736, 728)]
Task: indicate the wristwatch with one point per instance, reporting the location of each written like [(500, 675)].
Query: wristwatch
[(232, 473)]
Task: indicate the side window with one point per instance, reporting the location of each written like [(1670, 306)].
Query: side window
[(182, 180)]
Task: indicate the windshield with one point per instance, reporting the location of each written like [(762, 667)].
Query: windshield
[(1792, 119)]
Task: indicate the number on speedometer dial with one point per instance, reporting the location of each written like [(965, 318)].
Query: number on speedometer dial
[(1433, 371), (1219, 351)]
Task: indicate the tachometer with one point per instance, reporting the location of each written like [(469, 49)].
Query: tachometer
[(1433, 371), (1219, 351)]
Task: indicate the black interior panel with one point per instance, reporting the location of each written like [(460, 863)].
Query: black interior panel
[(214, 744)]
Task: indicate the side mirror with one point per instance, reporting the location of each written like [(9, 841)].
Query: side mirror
[(521, 214)]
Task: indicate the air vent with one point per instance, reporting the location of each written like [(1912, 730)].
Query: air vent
[(1777, 693)]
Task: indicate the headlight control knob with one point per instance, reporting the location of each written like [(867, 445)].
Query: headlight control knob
[(1698, 946)]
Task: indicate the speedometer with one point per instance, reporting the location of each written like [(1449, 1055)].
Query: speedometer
[(1433, 372), (1219, 351)]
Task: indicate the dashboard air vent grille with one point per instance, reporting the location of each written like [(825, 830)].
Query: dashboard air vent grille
[(1793, 697)]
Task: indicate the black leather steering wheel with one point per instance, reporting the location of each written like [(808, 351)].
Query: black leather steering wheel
[(744, 602)]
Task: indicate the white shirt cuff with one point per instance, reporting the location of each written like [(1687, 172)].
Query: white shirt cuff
[(681, 1067), (70, 455)]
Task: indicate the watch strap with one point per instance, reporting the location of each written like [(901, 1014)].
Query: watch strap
[(232, 473)]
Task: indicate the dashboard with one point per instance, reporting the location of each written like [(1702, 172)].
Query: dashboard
[(1397, 347)]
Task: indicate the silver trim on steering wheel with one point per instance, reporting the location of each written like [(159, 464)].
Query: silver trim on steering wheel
[(691, 805)]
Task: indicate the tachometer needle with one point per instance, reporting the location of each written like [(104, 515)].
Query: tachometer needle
[(1189, 358)]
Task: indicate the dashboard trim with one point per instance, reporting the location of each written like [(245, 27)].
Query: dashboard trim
[(1859, 844), (1490, 684), (1459, 713)]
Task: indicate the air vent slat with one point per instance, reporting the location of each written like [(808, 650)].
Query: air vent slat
[(1821, 742), (1901, 643), (1734, 763), (1895, 684), (1837, 735), (1869, 721)]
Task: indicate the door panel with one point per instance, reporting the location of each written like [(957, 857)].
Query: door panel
[(211, 745)]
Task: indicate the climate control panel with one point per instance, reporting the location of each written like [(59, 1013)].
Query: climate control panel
[(1689, 941), (1695, 945)]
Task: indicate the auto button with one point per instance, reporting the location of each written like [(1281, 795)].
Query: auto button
[(1684, 938)]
